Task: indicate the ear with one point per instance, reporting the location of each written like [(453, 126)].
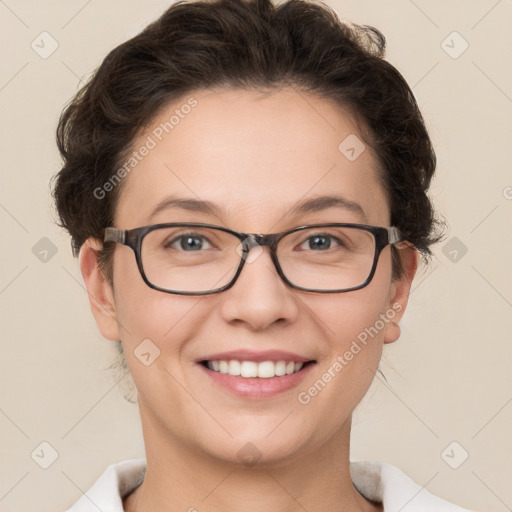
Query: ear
[(399, 291), (101, 294)]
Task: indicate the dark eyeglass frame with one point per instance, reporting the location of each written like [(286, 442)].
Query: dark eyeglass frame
[(133, 238)]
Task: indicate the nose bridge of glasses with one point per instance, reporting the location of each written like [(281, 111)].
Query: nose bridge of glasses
[(255, 240)]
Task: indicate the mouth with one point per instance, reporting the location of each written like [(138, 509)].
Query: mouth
[(255, 369), (256, 375)]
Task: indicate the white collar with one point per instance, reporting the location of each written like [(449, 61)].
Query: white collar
[(376, 481)]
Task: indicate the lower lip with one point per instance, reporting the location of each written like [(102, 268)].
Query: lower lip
[(255, 387)]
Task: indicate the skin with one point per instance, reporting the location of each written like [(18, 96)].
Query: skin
[(254, 155)]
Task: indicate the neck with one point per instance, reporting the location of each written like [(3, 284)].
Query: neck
[(179, 478)]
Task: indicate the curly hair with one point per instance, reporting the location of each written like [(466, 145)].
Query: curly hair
[(251, 44)]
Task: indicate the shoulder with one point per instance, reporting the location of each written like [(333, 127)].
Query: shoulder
[(382, 482), (116, 482)]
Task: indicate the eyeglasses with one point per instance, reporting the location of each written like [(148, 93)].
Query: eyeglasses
[(201, 259)]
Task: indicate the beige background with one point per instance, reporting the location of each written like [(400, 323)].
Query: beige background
[(449, 374)]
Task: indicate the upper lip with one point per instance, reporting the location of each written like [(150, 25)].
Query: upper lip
[(258, 357)]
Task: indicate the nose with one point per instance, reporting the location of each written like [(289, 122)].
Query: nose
[(259, 297)]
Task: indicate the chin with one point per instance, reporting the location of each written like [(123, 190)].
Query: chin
[(258, 448)]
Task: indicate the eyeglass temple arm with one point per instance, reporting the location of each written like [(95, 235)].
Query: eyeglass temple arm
[(394, 235), (114, 235)]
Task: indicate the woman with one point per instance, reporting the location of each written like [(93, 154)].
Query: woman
[(245, 185)]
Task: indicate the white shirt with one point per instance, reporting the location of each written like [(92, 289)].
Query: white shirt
[(376, 481)]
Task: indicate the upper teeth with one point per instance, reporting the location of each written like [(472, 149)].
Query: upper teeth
[(247, 369)]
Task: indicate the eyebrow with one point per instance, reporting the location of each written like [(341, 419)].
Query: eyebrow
[(320, 203), (311, 205)]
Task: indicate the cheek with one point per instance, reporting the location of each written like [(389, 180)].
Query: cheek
[(355, 331), (145, 313), (352, 348), (155, 326), (353, 315), (353, 326)]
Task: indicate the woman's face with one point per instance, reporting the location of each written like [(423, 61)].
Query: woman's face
[(253, 156)]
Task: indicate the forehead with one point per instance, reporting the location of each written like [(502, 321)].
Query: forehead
[(253, 155)]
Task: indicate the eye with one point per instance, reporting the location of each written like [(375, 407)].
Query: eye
[(189, 242), (320, 242)]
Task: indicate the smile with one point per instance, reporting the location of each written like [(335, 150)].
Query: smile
[(252, 369), (256, 375)]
